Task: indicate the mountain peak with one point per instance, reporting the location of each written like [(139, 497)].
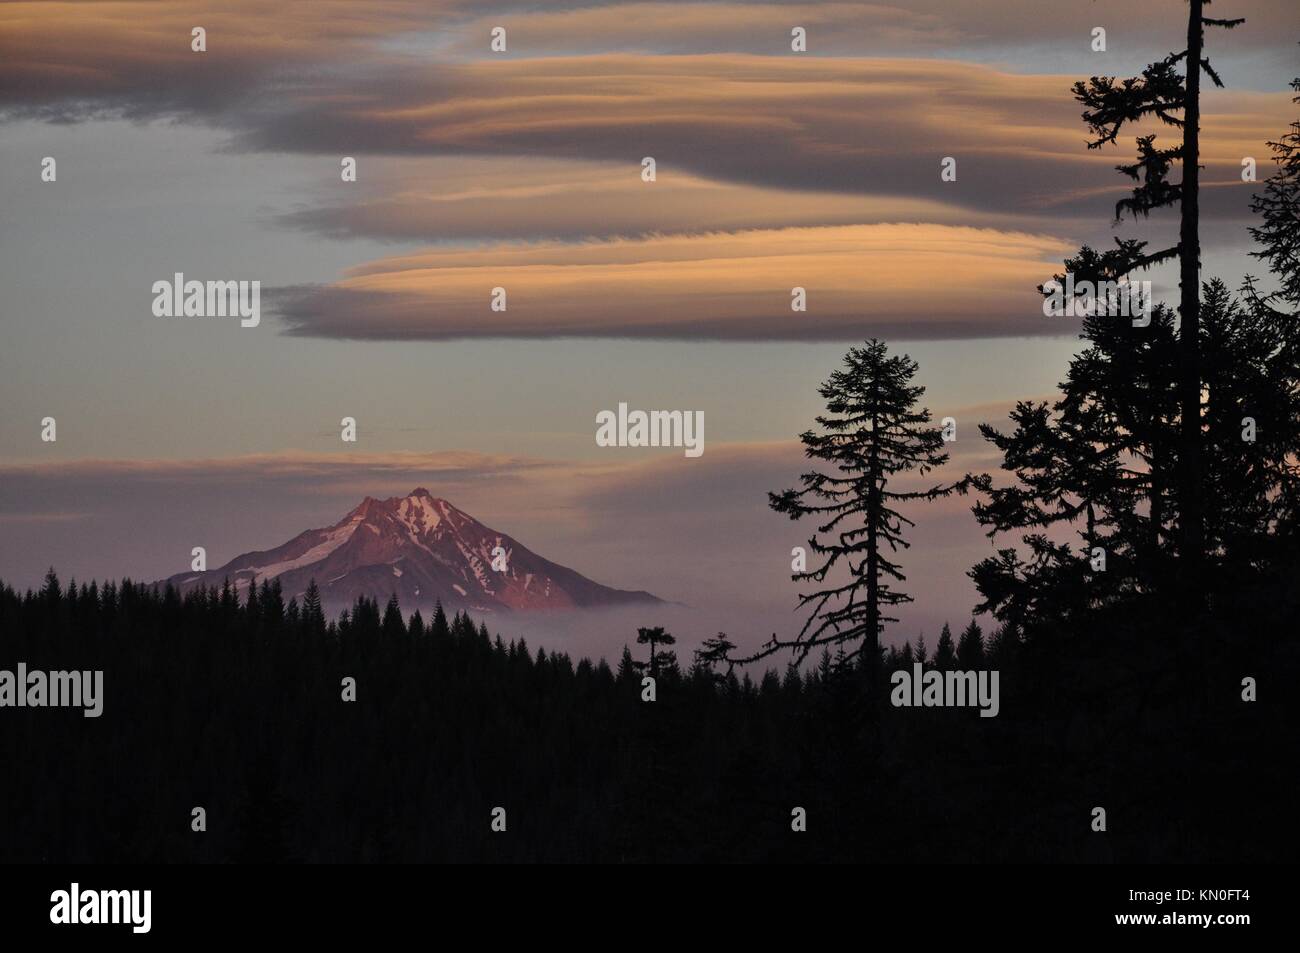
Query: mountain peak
[(421, 494), (423, 549)]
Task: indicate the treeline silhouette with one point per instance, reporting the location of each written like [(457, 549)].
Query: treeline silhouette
[(236, 706)]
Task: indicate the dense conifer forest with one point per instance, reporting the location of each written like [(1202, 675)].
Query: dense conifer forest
[(236, 706)]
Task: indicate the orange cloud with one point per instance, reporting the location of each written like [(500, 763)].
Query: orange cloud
[(905, 279), (494, 198)]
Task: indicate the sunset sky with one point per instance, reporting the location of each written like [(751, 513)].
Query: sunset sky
[(522, 169)]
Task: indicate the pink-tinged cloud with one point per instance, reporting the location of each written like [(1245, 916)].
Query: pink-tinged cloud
[(74, 58), (318, 78), (482, 199), (853, 126), (884, 280)]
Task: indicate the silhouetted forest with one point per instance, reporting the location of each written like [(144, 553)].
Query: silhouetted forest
[(236, 706)]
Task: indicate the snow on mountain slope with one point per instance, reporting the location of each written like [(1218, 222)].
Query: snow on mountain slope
[(423, 549)]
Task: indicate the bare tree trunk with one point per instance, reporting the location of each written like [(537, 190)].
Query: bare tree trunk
[(1191, 514), (873, 562)]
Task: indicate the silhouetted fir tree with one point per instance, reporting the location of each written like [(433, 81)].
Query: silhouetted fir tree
[(970, 647), (825, 665), (313, 616), (906, 656), (417, 626), (393, 626), (1000, 649), (1098, 459), (252, 610), (921, 653), (438, 627), (271, 604), (711, 652), (792, 681), (365, 616), (1252, 360), (1279, 208), (872, 432), (50, 591), (945, 655), (1279, 314), (1174, 99), (171, 597), (1101, 457), (732, 686), (462, 628), (229, 601), (655, 637)]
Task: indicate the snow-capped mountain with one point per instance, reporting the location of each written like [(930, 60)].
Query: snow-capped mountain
[(423, 549)]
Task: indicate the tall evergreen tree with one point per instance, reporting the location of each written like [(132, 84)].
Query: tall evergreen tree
[(51, 592), (872, 433), (627, 666), (271, 603), (1279, 207), (1101, 459), (905, 656), (313, 615), (393, 626), (945, 654), (1175, 100), (252, 611), (1001, 648), (970, 647), (825, 667), (1279, 312), (713, 651), (438, 627), (1098, 459), (655, 637), (921, 653)]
